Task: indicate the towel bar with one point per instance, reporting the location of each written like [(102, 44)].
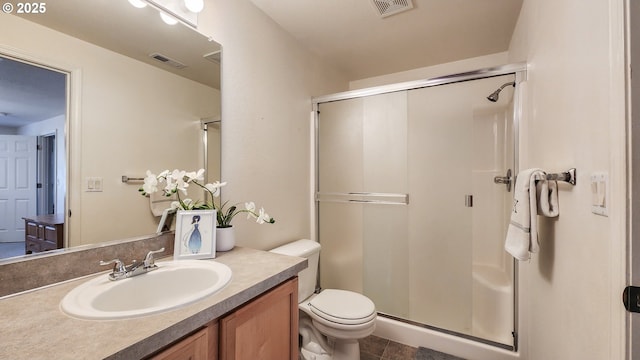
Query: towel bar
[(126, 179), (567, 176), (364, 198)]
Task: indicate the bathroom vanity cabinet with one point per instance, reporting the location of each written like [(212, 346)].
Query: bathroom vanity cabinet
[(265, 328), (255, 316), (201, 345)]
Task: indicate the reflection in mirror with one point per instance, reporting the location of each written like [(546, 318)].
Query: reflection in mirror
[(213, 143), (126, 111), (32, 152)]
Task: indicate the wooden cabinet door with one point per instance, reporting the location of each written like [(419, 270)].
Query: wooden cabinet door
[(201, 345), (266, 328)]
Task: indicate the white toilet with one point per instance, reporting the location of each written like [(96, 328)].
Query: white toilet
[(332, 321)]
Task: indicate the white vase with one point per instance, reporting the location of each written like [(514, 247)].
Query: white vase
[(225, 238)]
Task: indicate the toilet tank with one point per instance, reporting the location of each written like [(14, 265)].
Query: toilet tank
[(306, 278)]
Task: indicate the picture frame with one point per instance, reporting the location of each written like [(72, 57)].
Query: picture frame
[(195, 234), (166, 220)]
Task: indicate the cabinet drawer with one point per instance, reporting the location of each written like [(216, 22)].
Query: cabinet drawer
[(46, 246), (50, 234), (31, 229), (31, 246)]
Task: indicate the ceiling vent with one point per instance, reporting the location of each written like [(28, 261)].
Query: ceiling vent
[(386, 8), (174, 63)]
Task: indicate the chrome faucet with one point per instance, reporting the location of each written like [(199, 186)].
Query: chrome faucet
[(121, 271)]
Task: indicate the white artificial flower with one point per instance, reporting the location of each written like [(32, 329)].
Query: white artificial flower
[(150, 183), (199, 176), (263, 217), (181, 180), (171, 185), (178, 176), (251, 208), (215, 187)]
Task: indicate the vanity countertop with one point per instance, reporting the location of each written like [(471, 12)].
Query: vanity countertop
[(34, 327)]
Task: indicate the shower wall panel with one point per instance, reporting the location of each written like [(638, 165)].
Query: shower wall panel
[(367, 243), (385, 244), (341, 171), (440, 149)]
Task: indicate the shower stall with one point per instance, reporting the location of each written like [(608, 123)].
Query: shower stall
[(413, 200)]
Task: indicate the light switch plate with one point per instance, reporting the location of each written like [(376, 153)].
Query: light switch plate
[(93, 184), (600, 193)]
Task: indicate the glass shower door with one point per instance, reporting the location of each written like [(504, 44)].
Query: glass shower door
[(408, 212)]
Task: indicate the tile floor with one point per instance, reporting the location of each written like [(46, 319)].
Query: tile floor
[(377, 348), (11, 249)]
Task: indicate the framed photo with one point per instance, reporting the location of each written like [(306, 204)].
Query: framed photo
[(195, 234)]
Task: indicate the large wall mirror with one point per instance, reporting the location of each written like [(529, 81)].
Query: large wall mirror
[(110, 90)]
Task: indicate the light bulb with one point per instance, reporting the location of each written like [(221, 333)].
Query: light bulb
[(194, 5), (169, 20), (138, 3)]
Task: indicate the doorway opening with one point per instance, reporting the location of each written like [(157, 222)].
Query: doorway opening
[(33, 115)]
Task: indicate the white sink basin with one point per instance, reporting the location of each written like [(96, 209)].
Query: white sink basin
[(173, 284)]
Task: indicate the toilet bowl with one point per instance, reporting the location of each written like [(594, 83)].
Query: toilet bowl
[(331, 321)]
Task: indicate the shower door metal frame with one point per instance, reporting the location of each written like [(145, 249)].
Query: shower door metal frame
[(519, 70)]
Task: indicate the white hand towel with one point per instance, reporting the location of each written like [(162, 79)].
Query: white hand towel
[(522, 234), (547, 191)]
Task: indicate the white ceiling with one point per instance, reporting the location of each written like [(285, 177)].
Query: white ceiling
[(29, 93), (351, 34)]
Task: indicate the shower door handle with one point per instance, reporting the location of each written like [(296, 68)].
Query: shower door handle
[(506, 180)]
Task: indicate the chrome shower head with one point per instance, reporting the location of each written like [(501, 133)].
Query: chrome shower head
[(496, 94)]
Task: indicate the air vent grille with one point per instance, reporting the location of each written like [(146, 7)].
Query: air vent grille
[(167, 60), (391, 7)]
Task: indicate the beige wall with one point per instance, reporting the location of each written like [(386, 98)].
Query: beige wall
[(571, 287), (572, 118), (268, 79), (151, 121)]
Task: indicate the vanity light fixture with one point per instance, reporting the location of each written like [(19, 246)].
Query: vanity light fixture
[(195, 6), (168, 19), (138, 3), (174, 11)]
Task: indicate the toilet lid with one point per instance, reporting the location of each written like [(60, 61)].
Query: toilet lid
[(343, 307)]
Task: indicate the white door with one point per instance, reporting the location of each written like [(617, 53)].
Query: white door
[(17, 184)]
